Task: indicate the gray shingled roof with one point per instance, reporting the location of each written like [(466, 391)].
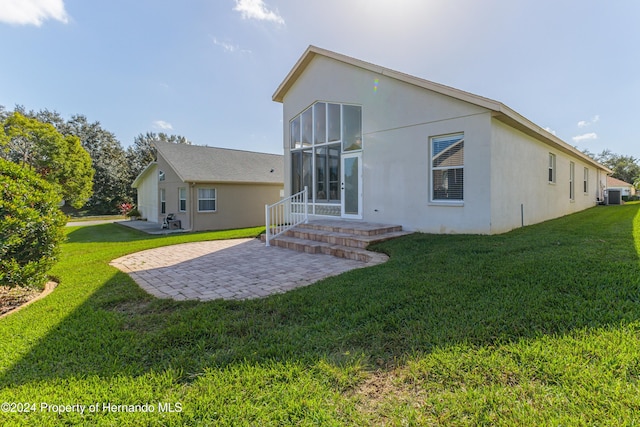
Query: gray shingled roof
[(196, 163)]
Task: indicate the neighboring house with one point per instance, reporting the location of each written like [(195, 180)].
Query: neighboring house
[(625, 188), (209, 188), (375, 144)]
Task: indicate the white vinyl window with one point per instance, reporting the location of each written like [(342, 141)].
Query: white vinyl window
[(552, 168), (163, 201), (447, 167), (572, 181), (182, 199), (585, 182), (206, 200)]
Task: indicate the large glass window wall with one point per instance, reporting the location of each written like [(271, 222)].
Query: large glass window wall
[(318, 136)]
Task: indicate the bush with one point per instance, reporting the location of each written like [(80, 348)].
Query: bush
[(134, 213), (31, 226)]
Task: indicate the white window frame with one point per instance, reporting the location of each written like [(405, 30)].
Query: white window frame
[(432, 169), (572, 181), (551, 177), (215, 199), (310, 148), (163, 201), (182, 199), (161, 176), (585, 183)]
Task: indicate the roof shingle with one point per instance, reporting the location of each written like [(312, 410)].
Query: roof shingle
[(196, 163)]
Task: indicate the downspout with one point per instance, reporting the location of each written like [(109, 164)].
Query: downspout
[(192, 206)]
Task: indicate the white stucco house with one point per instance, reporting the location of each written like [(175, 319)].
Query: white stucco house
[(209, 188), (378, 145)]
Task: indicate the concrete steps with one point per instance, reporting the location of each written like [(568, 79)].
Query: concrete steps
[(344, 239)]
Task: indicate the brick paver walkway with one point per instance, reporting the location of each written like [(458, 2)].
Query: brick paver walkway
[(229, 269)]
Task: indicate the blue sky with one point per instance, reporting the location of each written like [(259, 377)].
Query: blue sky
[(206, 69)]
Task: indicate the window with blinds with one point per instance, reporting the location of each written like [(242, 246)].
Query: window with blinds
[(206, 199), (447, 167)]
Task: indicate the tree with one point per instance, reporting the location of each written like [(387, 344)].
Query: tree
[(625, 168), (58, 159), (112, 179), (31, 226), (141, 153)]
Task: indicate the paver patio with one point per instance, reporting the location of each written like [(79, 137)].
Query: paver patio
[(229, 269)]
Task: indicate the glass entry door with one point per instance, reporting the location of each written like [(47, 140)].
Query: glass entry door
[(351, 187)]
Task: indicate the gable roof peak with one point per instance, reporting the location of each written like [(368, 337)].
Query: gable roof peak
[(498, 110)]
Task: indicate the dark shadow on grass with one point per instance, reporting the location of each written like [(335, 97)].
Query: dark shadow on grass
[(575, 272)]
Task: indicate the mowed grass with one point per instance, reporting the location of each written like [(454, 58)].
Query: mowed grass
[(539, 326)]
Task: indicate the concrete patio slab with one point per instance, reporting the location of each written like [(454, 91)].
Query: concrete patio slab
[(229, 269), (149, 227)]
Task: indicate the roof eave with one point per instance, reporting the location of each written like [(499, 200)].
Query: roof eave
[(136, 181), (499, 110), (296, 71), (195, 181), (521, 123), (312, 51), (159, 152)]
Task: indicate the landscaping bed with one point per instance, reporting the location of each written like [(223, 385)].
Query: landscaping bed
[(14, 297)]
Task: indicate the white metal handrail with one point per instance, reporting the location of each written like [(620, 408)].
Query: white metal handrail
[(286, 214)]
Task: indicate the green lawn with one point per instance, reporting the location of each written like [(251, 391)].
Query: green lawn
[(539, 326)]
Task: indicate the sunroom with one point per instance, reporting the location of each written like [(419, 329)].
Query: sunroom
[(326, 157)]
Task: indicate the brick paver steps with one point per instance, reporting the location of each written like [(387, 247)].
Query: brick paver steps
[(343, 239)]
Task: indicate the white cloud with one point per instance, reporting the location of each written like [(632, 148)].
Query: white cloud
[(163, 125), (256, 9), (551, 131), (224, 45), (32, 12), (585, 123), (585, 137), (228, 47)]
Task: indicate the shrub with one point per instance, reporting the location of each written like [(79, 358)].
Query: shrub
[(125, 208), (31, 226), (134, 213)]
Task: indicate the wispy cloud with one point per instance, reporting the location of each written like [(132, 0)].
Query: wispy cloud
[(161, 124), (585, 123), (32, 12), (551, 131), (228, 47), (585, 137), (256, 9)]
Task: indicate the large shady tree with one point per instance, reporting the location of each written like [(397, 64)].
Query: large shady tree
[(58, 159)]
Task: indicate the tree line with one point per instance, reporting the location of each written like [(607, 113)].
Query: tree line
[(625, 168), (88, 165)]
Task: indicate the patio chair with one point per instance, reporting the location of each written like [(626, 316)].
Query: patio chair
[(167, 220)]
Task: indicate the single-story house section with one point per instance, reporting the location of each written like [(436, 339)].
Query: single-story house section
[(375, 144), (625, 188), (209, 188)]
